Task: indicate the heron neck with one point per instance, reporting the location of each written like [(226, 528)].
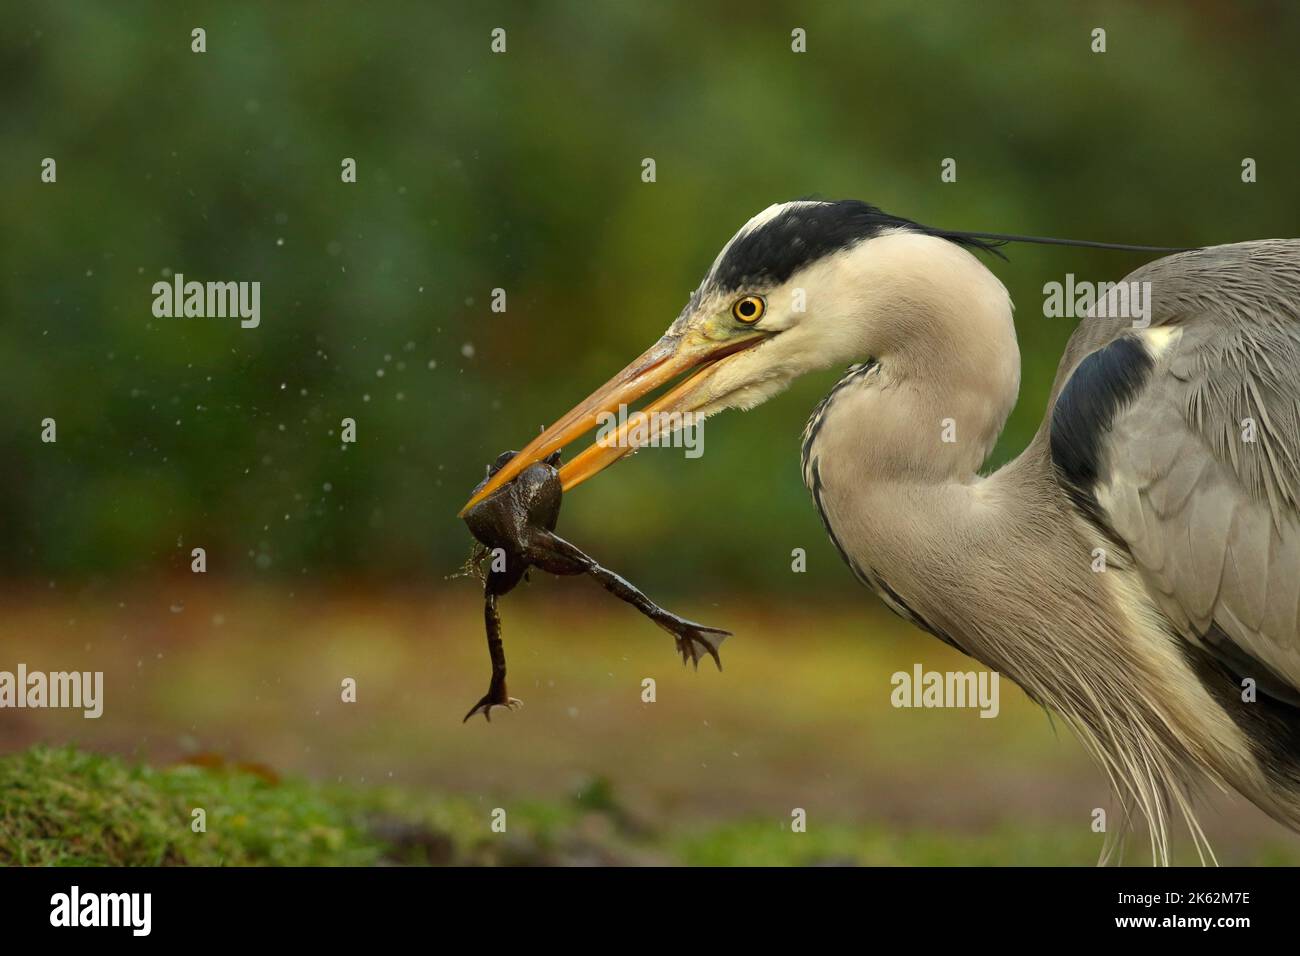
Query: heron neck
[(943, 390)]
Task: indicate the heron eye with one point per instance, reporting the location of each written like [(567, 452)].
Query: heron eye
[(749, 309)]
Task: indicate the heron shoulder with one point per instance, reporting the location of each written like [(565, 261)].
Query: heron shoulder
[(1181, 442)]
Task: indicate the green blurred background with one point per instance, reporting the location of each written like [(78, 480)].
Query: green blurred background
[(522, 171)]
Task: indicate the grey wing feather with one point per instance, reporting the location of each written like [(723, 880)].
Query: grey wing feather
[(1200, 472)]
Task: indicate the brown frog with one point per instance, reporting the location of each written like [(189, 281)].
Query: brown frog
[(519, 518)]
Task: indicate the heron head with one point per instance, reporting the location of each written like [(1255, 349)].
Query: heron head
[(802, 286)]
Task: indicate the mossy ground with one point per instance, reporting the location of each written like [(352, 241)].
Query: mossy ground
[(63, 806)]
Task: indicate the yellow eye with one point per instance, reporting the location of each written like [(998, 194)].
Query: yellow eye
[(749, 309)]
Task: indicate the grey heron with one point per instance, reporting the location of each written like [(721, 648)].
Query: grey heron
[(1171, 447)]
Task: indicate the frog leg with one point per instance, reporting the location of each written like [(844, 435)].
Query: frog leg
[(552, 553), (496, 695)]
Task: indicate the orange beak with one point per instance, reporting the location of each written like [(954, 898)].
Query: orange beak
[(671, 356)]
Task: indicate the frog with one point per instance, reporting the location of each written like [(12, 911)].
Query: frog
[(516, 525)]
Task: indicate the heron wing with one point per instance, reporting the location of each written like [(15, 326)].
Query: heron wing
[(1182, 441)]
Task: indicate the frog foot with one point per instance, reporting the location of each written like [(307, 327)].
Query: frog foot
[(495, 697)]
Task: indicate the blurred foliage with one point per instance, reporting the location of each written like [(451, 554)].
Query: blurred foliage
[(522, 171)]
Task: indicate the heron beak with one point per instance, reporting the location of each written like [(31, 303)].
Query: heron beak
[(671, 356)]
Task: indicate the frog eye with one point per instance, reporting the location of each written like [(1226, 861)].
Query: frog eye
[(749, 309)]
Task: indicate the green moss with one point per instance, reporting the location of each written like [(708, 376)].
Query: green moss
[(64, 807), (67, 808)]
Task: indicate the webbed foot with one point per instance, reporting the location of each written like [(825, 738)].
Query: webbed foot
[(695, 640)]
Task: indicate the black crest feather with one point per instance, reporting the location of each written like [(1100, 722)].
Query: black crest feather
[(809, 230), (803, 233)]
